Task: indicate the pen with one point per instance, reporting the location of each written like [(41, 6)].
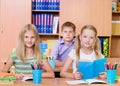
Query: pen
[(32, 66), (106, 66), (115, 66)]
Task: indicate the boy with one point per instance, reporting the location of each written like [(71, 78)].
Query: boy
[(65, 44)]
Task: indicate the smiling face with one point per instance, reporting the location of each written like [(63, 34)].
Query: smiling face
[(29, 38), (87, 38)]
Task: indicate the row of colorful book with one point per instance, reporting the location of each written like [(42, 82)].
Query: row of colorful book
[(104, 41), (46, 23), (45, 4)]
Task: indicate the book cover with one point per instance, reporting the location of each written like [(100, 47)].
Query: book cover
[(91, 69)]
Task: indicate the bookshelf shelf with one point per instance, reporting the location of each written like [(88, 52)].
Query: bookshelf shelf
[(116, 12), (116, 35), (49, 11), (49, 34)]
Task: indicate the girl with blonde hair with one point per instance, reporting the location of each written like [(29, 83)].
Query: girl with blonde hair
[(87, 48), (27, 52)]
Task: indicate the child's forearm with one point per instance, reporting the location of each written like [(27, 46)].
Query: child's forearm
[(48, 74), (67, 75), (59, 64)]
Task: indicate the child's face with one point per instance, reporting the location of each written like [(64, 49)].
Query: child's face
[(29, 38), (87, 38), (68, 34)]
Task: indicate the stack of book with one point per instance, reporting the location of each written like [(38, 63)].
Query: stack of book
[(7, 78)]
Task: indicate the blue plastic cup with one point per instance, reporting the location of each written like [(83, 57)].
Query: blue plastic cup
[(111, 76), (37, 76), (52, 63)]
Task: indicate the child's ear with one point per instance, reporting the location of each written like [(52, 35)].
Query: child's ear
[(61, 34)]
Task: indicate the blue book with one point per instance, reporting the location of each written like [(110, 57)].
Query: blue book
[(101, 43), (47, 23), (91, 69), (42, 23)]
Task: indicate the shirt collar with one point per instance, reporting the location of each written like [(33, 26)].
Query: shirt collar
[(62, 41)]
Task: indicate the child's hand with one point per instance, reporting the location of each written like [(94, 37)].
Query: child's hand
[(102, 75), (19, 76), (77, 75)]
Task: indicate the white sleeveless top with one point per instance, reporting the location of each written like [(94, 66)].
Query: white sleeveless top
[(83, 57)]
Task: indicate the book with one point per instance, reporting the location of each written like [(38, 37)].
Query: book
[(6, 82), (118, 78), (7, 78), (86, 81), (27, 78), (55, 24), (91, 70)]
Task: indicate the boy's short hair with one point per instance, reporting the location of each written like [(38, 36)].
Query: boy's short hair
[(68, 24)]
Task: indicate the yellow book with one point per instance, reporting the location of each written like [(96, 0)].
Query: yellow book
[(50, 45), (6, 82), (116, 27)]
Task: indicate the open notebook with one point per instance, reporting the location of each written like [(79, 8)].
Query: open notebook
[(87, 81), (91, 69)]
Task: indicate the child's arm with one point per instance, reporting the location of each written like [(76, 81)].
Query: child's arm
[(59, 64), (49, 72), (66, 74), (102, 75)]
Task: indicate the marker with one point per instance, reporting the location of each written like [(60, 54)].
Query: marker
[(32, 66)]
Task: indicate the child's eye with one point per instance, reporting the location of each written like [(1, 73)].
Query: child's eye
[(91, 37), (84, 36), (71, 31), (26, 36), (32, 37), (65, 31)]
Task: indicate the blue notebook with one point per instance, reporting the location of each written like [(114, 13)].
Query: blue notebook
[(91, 69)]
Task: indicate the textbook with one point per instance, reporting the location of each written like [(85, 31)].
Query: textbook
[(91, 70), (86, 81), (7, 78)]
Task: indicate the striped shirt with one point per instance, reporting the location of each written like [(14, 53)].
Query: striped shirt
[(23, 67)]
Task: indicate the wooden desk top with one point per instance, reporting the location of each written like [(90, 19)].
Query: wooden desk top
[(53, 82)]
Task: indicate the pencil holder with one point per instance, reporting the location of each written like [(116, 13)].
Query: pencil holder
[(37, 76), (111, 76)]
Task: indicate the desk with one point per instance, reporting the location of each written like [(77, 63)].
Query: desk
[(54, 82)]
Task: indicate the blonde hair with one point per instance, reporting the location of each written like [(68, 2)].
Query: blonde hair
[(20, 49), (96, 46)]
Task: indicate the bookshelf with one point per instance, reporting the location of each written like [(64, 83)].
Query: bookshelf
[(115, 39), (45, 16)]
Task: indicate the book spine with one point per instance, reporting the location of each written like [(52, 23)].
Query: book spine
[(106, 47)]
